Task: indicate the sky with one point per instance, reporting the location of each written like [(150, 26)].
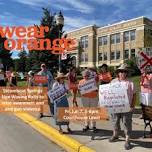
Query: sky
[(77, 13)]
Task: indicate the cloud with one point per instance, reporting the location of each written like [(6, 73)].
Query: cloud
[(80, 6), (78, 22), (76, 5), (9, 19)]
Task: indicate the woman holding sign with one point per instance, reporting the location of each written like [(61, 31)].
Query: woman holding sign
[(89, 96), (60, 100), (126, 117)]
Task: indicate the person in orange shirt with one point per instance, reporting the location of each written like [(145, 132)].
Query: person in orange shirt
[(105, 76), (88, 100)]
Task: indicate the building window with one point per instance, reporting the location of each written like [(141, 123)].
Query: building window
[(100, 56), (84, 42), (113, 39), (117, 55), (126, 36), (102, 40), (132, 35), (126, 54), (105, 56), (133, 53), (118, 38), (84, 57), (112, 55)]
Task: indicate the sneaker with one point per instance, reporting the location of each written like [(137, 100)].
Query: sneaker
[(113, 139), (69, 130), (41, 115), (127, 145), (95, 130), (86, 129)]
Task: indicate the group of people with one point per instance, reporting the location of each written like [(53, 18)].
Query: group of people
[(90, 99)]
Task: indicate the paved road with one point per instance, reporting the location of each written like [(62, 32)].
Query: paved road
[(16, 136)]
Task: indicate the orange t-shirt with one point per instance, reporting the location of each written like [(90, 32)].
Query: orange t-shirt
[(92, 94)]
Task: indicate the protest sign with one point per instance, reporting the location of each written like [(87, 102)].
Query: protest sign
[(88, 86), (114, 97), (56, 93), (39, 79)]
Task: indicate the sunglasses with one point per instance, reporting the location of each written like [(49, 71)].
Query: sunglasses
[(123, 71)]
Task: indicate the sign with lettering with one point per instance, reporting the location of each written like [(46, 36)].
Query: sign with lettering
[(88, 86), (56, 93), (39, 79), (114, 97)]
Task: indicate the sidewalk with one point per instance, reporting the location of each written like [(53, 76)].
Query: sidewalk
[(99, 141)]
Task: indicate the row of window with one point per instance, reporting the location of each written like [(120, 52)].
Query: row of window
[(115, 38), (115, 55)]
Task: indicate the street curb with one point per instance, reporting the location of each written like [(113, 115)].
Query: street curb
[(66, 142)]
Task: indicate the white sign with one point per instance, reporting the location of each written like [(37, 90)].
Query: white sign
[(114, 97), (87, 87), (56, 93), (64, 55), (146, 98)]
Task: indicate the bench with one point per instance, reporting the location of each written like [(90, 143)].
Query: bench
[(147, 116)]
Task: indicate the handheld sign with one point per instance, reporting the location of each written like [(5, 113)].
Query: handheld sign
[(114, 97), (56, 93), (87, 87), (39, 79)]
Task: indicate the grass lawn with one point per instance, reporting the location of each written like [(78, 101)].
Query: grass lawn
[(135, 79)]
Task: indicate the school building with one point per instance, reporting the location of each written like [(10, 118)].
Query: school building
[(111, 44)]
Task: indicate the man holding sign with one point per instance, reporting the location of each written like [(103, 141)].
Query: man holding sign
[(89, 95), (126, 115)]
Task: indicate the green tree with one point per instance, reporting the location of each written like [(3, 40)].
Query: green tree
[(20, 64), (5, 55), (35, 58)]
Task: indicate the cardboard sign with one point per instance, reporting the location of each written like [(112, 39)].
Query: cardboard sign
[(56, 93), (87, 87), (114, 97), (146, 98), (39, 79)]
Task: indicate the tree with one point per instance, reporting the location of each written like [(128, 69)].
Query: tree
[(35, 58), (20, 64), (5, 55)]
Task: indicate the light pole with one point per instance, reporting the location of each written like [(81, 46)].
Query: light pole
[(60, 23)]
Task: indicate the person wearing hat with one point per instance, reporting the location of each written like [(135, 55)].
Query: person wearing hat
[(88, 100), (104, 76), (62, 102), (146, 85), (122, 73), (30, 78), (45, 72)]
